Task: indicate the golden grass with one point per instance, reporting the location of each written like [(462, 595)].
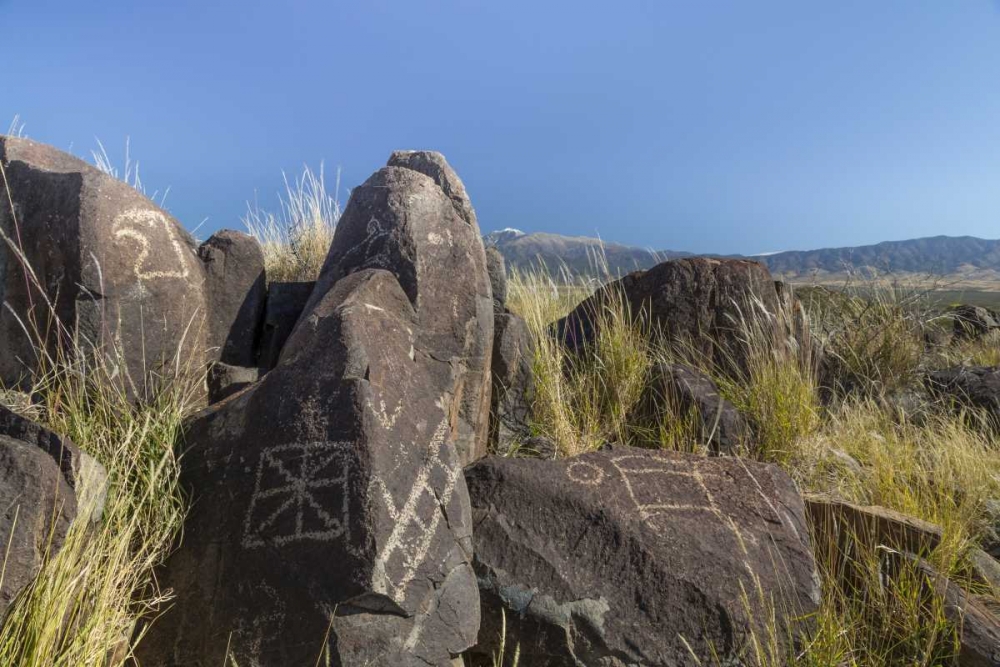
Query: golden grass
[(296, 239), (942, 469)]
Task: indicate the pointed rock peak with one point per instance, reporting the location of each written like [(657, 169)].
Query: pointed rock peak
[(435, 166)]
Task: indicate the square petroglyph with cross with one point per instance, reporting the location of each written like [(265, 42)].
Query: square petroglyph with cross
[(300, 493)]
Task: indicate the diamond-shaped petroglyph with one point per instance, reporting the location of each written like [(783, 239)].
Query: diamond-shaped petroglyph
[(300, 493)]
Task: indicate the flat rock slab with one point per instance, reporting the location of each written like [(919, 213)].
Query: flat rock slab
[(627, 556)]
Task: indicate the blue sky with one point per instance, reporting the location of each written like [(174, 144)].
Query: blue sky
[(703, 126)]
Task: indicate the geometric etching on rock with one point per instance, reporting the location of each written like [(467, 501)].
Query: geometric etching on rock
[(130, 224), (644, 479), (416, 521), (300, 493)]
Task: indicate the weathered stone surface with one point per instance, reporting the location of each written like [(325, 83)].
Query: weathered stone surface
[(631, 550), (44, 482), (225, 380), (974, 321), (872, 525), (697, 302), (285, 303), (235, 291), (979, 627), (496, 266), (413, 218), (513, 382), (433, 165), (976, 387), (328, 498), (114, 266), (683, 388)]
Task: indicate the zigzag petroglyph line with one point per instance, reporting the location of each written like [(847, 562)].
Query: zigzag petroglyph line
[(414, 550)]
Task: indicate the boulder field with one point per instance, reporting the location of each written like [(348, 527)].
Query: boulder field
[(356, 498)]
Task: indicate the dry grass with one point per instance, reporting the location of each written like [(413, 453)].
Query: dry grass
[(943, 469), (297, 238)]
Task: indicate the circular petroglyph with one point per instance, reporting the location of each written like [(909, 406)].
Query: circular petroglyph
[(586, 473)]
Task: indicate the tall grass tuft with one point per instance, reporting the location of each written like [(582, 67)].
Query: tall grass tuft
[(297, 238), (583, 399), (872, 334)]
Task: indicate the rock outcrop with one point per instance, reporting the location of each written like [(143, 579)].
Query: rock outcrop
[(329, 499), (89, 260), (684, 391), (976, 387), (235, 293), (637, 556), (974, 321), (45, 482), (414, 219), (513, 389), (699, 303)]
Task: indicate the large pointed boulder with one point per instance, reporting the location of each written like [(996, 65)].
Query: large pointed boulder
[(331, 519), (413, 218)]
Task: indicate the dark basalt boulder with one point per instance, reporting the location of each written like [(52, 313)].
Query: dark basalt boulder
[(412, 218), (328, 502), (328, 498), (698, 303), (513, 382), (45, 482), (976, 387), (92, 262), (284, 305), (235, 292), (685, 390), (638, 557), (113, 266), (974, 321), (496, 266)]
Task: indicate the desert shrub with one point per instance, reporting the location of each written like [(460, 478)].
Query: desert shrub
[(775, 388), (872, 334), (582, 400), (297, 238)]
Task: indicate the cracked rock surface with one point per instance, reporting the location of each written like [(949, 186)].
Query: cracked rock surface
[(329, 500), (629, 556)]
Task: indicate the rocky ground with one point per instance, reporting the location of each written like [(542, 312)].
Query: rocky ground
[(389, 465)]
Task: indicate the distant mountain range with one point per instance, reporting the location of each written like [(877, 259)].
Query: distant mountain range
[(958, 258)]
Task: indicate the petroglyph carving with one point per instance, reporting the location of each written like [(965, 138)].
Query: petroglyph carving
[(136, 225), (376, 237), (415, 526), (588, 474), (385, 418), (644, 477), (300, 493)]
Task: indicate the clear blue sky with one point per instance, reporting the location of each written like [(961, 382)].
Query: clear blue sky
[(705, 126)]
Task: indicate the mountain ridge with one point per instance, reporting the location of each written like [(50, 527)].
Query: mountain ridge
[(955, 257)]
